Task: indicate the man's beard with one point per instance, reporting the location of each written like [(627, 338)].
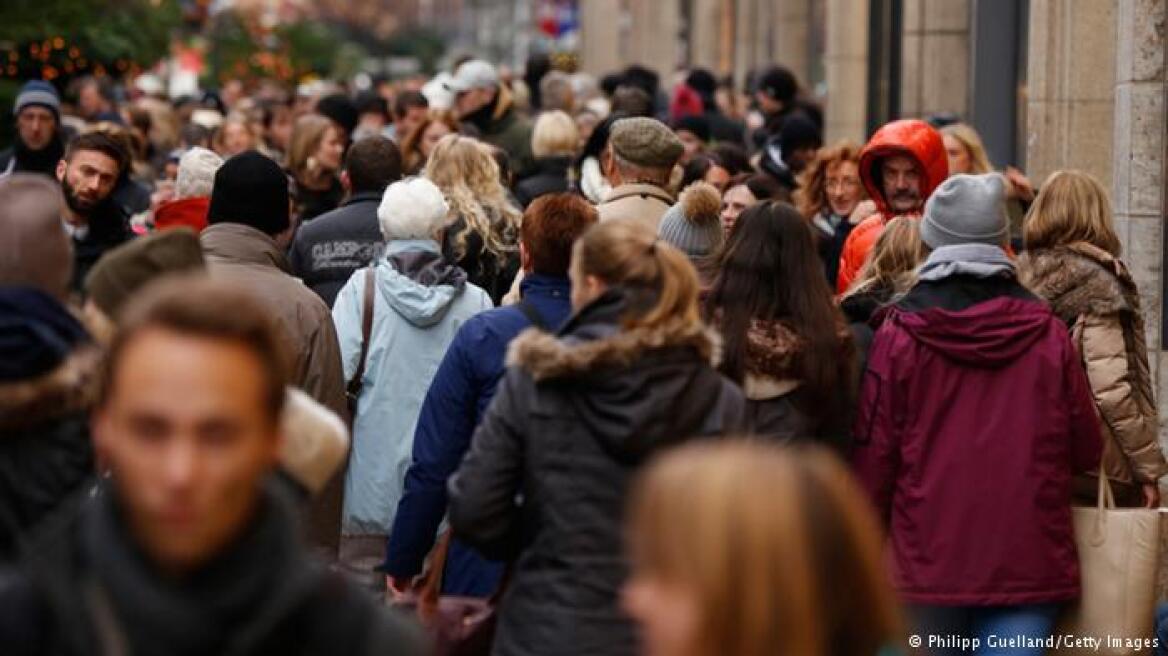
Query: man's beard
[(77, 204)]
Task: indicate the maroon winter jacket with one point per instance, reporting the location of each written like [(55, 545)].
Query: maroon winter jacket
[(974, 414)]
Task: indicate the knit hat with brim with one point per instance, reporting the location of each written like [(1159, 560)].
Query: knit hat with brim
[(123, 272), (692, 224), (250, 189)]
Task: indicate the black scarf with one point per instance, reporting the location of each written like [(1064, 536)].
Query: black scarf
[(230, 605), (38, 161)]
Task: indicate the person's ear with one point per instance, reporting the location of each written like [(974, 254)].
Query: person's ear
[(525, 259), (346, 182), (62, 166)]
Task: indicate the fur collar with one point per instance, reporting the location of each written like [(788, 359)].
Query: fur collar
[(71, 387), (546, 356), (1079, 279), (773, 349)]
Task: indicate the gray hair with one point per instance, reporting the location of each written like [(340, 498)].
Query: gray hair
[(196, 173)]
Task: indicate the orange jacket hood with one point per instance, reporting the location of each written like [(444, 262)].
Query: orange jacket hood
[(911, 137)]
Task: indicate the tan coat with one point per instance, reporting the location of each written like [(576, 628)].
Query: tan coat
[(643, 202), (1094, 294), (252, 259)]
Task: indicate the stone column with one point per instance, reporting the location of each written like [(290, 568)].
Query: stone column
[(653, 39), (1139, 160), (705, 34), (846, 69), (934, 70), (602, 27), (1071, 87)]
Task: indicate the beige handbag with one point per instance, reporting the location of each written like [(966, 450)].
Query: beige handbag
[(1118, 555)]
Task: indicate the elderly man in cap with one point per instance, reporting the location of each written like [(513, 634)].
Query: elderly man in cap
[(638, 162), (39, 144), (481, 99)]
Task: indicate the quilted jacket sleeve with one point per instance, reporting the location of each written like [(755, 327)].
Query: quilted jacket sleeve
[(482, 493), (1122, 391)]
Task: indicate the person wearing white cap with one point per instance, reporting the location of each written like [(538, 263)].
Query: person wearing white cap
[(481, 99)]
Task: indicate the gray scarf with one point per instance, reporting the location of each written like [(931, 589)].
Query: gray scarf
[(978, 260)]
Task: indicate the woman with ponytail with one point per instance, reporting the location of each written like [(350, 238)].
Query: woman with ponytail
[(785, 341), (576, 416)]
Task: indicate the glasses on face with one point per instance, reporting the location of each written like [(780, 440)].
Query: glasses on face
[(842, 184)]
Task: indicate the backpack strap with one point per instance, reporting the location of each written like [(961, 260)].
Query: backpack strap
[(528, 309), (354, 386)]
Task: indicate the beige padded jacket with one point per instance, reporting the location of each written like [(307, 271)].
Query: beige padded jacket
[(1094, 294)]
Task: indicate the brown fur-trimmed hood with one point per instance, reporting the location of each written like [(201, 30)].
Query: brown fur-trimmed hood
[(71, 387), (1079, 279), (546, 356)]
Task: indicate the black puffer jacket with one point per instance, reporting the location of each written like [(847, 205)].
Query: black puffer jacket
[(48, 381), (574, 419)]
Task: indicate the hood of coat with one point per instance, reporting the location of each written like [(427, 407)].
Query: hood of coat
[(987, 335), (49, 368), (914, 138), (417, 282), (1079, 279), (191, 212), (633, 389), (235, 243)]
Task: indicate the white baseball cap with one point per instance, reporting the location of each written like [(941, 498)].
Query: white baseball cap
[(474, 74)]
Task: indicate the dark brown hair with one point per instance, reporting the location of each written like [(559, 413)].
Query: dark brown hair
[(770, 271), (200, 306), (373, 163), (551, 224), (101, 142)]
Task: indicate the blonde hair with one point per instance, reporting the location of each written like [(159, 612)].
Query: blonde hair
[(811, 196), (555, 135), (893, 260), (1071, 206), (468, 175), (236, 118), (307, 134), (969, 138), (766, 539), (660, 281)]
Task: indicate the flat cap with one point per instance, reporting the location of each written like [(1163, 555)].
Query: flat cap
[(645, 142)]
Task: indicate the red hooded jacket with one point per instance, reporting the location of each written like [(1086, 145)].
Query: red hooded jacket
[(190, 212), (972, 420), (910, 137)]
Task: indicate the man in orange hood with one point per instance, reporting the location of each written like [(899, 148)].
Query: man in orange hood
[(900, 167)]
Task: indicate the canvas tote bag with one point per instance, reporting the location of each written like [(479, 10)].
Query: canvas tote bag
[(1118, 556)]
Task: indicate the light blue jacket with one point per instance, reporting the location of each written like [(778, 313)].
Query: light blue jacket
[(413, 325)]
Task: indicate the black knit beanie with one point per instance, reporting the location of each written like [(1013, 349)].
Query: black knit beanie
[(250, 189)]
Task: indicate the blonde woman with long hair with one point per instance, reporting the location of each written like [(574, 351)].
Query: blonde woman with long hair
[(483, 230), (888, 272), (750, 549), (967, 155), (1073, 262), (575, 417)]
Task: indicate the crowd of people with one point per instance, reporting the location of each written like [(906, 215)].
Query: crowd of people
[(647, 367)]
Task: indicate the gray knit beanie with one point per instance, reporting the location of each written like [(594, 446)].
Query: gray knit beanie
[(692, 224), (966, 209)]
